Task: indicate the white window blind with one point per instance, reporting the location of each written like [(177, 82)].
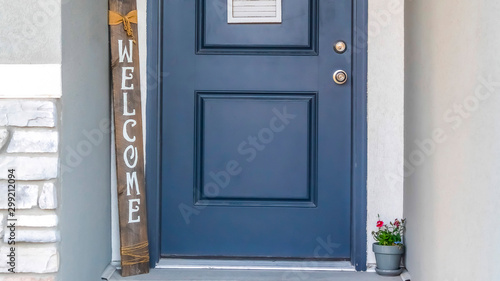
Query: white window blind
[(254, 11)]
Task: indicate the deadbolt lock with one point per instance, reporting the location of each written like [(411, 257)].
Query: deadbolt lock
[(340, 77), (340, 47)]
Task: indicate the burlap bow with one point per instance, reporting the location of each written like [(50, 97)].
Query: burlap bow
[(115, 19)]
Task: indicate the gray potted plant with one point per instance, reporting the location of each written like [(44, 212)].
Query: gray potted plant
[(389, 247)]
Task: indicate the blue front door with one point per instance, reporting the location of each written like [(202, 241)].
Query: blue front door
[(256, 135)]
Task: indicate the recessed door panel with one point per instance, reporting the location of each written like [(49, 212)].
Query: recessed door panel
[(244, 149), (297, 33)]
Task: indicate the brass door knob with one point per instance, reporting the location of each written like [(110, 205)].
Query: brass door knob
[(340, 77)]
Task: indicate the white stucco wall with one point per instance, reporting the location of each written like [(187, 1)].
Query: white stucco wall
[(30, 31), (85, 216), (385, 112), (30, 49), (452, 188)]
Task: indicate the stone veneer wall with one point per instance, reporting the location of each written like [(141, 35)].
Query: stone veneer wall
[(29, 143), (37, 121)]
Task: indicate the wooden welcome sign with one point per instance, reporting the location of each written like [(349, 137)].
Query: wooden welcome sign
[(128, 136)]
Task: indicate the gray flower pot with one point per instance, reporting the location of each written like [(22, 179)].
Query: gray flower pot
[(388, 257)]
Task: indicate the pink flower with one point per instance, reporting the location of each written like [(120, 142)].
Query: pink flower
[(397, 223), (380, 224)]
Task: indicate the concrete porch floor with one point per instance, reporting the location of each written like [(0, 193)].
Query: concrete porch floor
[(252, 275)]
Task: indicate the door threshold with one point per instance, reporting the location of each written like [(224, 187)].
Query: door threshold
[(169, 263)]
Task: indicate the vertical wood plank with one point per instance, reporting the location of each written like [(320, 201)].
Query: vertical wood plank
[(129, 143)]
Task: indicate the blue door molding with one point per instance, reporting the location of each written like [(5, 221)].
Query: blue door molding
[(155, 73), (360, 136)]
